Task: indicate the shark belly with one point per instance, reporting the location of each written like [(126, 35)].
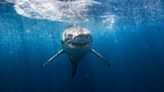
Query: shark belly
[(75, 54)]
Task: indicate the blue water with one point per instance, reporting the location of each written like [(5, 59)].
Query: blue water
[(135, 51)]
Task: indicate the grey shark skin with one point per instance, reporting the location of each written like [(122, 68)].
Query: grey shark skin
[(76, 43)]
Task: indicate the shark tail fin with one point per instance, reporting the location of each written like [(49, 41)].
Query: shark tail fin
[(74, 69), (100, 56), (53, 57)]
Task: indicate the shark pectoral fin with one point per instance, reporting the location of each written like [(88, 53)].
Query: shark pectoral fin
[(74, 68), (100, 56), (53, 57)]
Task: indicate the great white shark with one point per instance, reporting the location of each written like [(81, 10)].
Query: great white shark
[(76, 43)]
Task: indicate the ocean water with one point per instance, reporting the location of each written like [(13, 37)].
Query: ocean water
[(128, 33)]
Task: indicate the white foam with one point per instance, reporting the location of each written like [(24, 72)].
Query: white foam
[(108, 20), (10, 1), (54, 10)]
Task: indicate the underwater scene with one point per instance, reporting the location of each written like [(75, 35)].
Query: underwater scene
[(81, 45)]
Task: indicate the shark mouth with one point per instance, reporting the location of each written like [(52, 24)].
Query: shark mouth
[(81, 41), (80, 45)]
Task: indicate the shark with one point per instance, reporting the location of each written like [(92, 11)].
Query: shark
[(76, 43)]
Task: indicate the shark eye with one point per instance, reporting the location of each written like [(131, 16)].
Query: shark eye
[(69, 35)]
